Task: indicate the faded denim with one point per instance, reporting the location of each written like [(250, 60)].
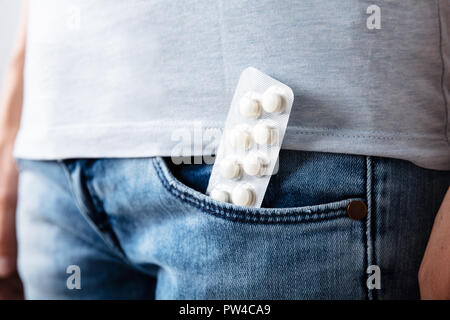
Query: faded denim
[(142, 229)]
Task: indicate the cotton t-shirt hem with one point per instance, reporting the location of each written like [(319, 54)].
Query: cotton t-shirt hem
[(147, 140)]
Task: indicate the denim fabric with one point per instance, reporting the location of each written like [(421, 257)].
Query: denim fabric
[(143, 228)]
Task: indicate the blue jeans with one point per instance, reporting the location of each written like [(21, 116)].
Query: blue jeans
[(143, 228)]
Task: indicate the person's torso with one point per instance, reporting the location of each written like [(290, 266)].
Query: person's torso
[(371, 69)]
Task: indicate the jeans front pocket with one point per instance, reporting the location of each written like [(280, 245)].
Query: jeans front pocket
[(305, 213), (226, 251)]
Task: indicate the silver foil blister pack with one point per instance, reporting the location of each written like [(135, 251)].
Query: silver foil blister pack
[(247, 155)]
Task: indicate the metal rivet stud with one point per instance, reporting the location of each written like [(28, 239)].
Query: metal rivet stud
[(357, 210)]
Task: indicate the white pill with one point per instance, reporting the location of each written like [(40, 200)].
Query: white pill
[(230, 168), (249, 107), (253, 165), (241, 138), (264, 134), (271, 101), (220, 195), (243, 195)]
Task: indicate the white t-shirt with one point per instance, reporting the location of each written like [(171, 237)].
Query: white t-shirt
[(154, 78)]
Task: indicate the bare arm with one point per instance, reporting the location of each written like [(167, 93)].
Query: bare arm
[(12, 93), (434, 274), (10, 112)]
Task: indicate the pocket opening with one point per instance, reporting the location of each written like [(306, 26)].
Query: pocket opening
[(233, 212)]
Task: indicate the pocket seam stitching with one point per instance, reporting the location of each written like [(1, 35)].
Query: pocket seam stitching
[(243, 215)]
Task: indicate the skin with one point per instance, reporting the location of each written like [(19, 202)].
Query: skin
[(434, 274), (10, 111)]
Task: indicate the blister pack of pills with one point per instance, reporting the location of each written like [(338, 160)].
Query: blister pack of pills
[(248, 152)]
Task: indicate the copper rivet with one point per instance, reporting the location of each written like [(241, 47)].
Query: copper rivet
[(357, 210)]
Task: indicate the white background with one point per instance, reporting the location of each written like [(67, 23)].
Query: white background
[(9, 24)]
